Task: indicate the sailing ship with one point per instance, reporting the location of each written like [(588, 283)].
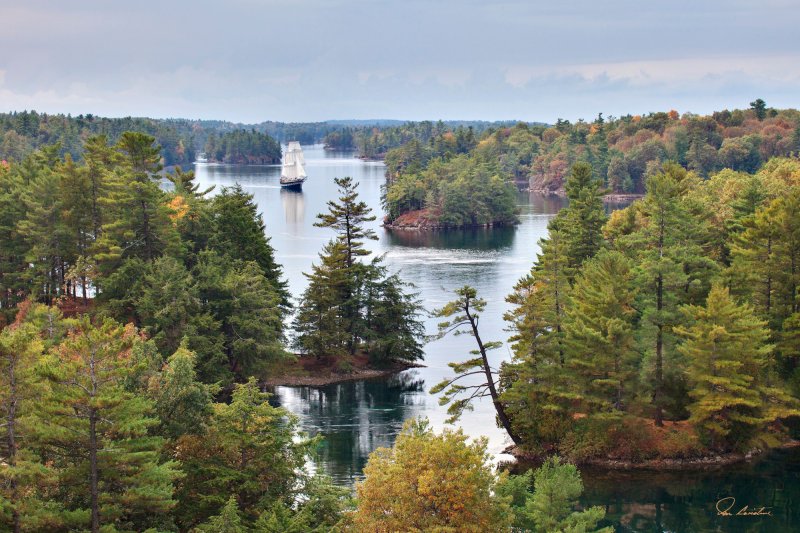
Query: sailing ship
[(293, 172)]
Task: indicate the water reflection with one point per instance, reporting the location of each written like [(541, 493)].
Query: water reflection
[(686, 501), (294, 207), (482, 238), (354, 417)]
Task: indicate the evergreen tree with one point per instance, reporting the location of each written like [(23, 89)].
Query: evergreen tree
[(557, 487), (227, 521), (20, 350), (348, 216), (96, 431), (239, 233), (45, 233), (671, 269), (242, 306), (249, 452), (583, 219), (463, 312), (599, 334), (534, 383), (733, 396), (349, 304), (167, 302), (321, 327), (183, 404)]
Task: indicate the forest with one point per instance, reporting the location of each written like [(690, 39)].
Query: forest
[(140, 315), (21, 133), (667, 330), (430, 176), (243, 147)]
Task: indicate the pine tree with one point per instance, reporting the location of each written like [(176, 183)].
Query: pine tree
[(14, 248), (321, 327), (599, 333), (247, 311), (557, 487), (348, 217), (249, 452), (463, 312), (729, 360), (349, 304), (582, 221), (78, 220), (391, 326), (239, 233), (227, 521), (183, 404), (45, 233), (671, 269), (96, 431), (534, 383), (20, 350), (167, 302)]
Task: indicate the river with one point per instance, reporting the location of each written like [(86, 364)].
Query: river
[(357, 417)]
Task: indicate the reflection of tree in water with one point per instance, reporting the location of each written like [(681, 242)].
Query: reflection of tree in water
[(484, 239), (355, 417), (685, 501)]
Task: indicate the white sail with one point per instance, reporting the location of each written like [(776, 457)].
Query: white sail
[(293, 171)]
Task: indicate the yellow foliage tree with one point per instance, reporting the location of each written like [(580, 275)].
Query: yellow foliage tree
[(430, 482)]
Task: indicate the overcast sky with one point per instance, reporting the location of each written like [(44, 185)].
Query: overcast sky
[(302, 60)]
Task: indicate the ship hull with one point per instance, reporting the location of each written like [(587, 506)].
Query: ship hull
[(293, 184)]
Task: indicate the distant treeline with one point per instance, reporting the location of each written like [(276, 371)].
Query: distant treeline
[(21, 133), (373, 141), (243, 147)]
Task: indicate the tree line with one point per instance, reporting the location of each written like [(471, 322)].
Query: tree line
[(242, 147), (623, 153)]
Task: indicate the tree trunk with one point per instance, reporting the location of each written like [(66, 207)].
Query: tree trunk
[(11, 442), (659, 414), (498, 405), (93, 477)]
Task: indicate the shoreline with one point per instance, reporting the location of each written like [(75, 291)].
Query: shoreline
[(659, 464), (296, 375), (609, 198)]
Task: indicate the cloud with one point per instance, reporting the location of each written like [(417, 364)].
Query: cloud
[(252, 60)]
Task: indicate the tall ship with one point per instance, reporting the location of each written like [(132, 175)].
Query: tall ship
[(293, 172)]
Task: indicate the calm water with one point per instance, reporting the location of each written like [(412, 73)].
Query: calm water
[(358, 417)]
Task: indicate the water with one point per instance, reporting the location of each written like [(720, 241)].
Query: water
[(357, 417)]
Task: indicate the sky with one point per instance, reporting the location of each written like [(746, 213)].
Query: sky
[(308, 60)]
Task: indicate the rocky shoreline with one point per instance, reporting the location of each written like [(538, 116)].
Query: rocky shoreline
[(661, 464), (311, 374), (608, 198)]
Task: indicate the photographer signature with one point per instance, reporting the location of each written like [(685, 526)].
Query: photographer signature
[(725, 506)]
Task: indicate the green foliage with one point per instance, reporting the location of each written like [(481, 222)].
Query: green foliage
[(351, 305), (600, 342), (95, 431), (557, 487), (242, 147), (729, 363), (599, 334), (183, 404), (239, 233), (463, 313), (248, 451)]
